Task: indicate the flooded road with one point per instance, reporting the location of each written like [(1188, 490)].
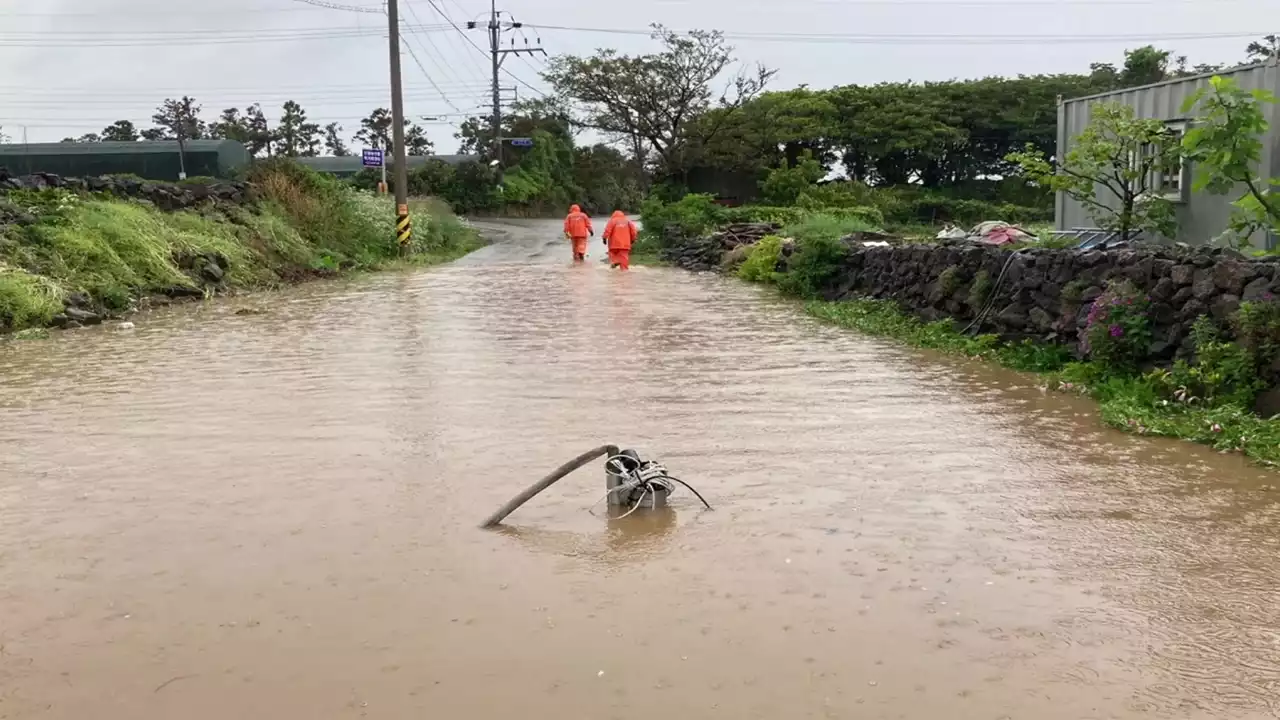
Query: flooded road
[(274, 516)]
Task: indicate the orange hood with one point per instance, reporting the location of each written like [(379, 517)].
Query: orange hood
[(574, 209)]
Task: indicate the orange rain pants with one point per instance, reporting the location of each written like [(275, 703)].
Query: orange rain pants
[(619, 235), (577, 227)]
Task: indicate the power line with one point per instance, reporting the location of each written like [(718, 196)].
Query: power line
[(367, 9), (933, 39), (418, 62), (458, 33), (336, 6)]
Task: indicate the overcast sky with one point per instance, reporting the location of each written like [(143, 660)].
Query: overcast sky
[(68, 67)]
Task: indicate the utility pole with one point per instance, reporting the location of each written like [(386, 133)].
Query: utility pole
[(497, 55), (403, 231)]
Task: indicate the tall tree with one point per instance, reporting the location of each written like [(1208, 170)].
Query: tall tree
[(261, 136), (415, 140), (1265, 49), (181, 120), (333, 142), (375, 130), (295, 136), (230, 125), (654, 100), (120, 131)]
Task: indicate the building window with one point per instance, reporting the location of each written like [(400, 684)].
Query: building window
[(1169, 185)]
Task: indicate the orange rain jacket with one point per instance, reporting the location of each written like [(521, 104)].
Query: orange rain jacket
[(577, 225), (620, 233)]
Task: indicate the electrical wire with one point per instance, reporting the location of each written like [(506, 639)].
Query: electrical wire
[(449, 19), (418, 62), (933, 39), (312, 6), (639, 502), (429, 49), (345, 8)]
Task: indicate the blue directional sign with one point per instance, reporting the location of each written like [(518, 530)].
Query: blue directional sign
[(372, 157), (522, 142)]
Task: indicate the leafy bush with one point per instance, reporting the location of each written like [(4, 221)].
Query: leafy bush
[(1257, 325), (693, 214), (763, 214), (1223, 372), (785, 185), (911, 205), (825, 225), (817, 261), (1117, 334), (762, 260)]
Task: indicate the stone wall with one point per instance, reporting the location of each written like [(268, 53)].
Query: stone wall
[(1043, 294), (166, 196)]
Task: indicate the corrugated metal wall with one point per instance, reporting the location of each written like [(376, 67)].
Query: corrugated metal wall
[(150, 160), (1203, 216)]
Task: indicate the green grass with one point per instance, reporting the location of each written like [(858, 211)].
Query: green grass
[(1134, 403), (646, 251), (825, 225), (115, 250)]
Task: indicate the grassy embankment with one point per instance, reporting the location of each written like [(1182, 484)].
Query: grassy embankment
[(54, 243), (1207, 400)]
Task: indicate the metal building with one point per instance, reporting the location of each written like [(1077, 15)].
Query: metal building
[(151, 160), (1201, 216)]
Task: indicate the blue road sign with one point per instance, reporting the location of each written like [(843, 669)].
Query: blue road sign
[(372, 157), (522, 142)]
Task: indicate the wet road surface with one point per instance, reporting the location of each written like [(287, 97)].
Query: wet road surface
[(274, 516)]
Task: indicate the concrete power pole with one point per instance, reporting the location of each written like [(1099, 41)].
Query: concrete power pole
[(497, 54), (403, 230)]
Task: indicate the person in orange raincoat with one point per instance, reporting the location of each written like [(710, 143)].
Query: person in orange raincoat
[(577, 227), (619, 235)]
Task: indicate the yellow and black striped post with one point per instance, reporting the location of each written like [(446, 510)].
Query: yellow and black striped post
[(403, 230)]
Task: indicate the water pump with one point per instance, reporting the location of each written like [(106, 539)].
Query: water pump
[(630, 481)]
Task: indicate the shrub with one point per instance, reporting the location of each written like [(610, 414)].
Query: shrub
[(785, 185), (763, 214), (762, 260), (825, 225), (1117, 334), (814, 266), (1257, 325), (1223, 372), (693, 214)]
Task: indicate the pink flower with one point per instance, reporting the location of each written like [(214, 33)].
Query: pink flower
[(1216, 428), (1117, 331)]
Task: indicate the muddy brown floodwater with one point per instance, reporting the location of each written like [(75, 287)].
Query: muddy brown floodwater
[(274, 516)]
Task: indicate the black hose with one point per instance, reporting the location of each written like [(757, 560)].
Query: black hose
[(994, 289), (695, 492), (548, 481)]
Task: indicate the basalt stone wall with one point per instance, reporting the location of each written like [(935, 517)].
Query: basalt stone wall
[(1047, 293), (166, 196), (1038, 293)]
